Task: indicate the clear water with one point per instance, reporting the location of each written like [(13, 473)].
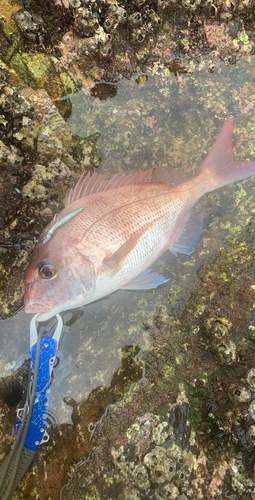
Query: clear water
[(154, 120)]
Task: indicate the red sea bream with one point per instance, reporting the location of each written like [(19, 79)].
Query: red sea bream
[(111, 231)]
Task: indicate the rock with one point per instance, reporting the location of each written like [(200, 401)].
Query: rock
[(13, 160), (31, 25), (34, 191), (32, 69), (52, 173), (4, 151)]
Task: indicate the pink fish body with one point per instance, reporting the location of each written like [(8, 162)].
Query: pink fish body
[(111, 232)]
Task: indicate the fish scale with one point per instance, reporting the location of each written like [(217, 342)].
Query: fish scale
[(112, 231)]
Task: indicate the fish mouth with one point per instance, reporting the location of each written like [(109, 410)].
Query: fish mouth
[(38, 308)]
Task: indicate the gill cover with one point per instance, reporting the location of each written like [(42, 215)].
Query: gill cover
[(83, 275)]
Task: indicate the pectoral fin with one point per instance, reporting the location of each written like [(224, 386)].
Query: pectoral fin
[(145, 281), (114, 261)]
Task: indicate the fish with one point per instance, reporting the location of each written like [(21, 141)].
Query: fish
[(111, 231)]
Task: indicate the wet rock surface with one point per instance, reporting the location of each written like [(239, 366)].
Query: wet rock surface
[(39, 156), (178, 419)]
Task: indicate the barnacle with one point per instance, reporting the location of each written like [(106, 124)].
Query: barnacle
[(239, 393), (218, 327), (116, 16), (167, 491), (135, 19), (250, 435), (227, 352), (86, 23), (140, 475), (142, 55), (162, 468), (191, 4), (251, 379), (251, 410)]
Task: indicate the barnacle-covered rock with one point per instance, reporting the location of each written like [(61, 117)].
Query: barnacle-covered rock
[(118, 11), (100, 42), (48, 175), (13, 103), (131, 493), (251, 332), (116, 15), (86, 23), (153, 21), (176, 453), (239, 393), (87, 46), (110, 24), (105, 49), (162, 468), (34, 191), (147, 428), (139, 475), (31, 25)]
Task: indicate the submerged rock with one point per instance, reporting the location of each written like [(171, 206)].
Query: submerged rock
[(31, 25)]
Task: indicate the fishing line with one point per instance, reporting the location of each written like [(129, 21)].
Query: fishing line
[(8, 470), (31, 428)]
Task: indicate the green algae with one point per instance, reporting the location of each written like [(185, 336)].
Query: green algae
[(32, 69)]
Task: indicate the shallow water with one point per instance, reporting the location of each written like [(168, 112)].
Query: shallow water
[(153, 120)]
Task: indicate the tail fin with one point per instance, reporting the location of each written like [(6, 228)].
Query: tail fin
[(220, 161)]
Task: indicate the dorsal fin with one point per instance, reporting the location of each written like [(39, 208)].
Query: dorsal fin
[(94, 183), (170, 176)]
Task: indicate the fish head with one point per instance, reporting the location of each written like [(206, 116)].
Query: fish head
[(59, 277)]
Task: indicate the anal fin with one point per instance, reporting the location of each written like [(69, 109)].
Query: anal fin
[(145, 281), (190, 234)]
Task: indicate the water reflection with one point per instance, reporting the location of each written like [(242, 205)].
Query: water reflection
[(149, 121)]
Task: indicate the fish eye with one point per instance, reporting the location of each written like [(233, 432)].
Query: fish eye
[(47, 270)]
